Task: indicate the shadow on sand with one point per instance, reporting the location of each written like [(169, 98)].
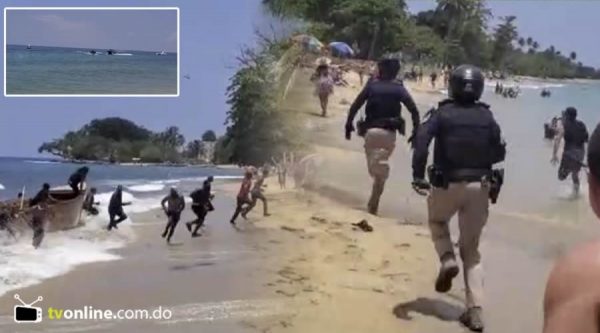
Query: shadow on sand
[(437, 308)]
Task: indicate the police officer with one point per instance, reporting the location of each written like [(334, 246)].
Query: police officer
[(576, 136), (383, 95), (467, 144)]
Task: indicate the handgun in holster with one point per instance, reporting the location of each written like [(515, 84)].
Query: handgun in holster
[(436, 177), (361, 127), (496, 180)]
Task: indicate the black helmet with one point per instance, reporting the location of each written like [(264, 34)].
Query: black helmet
[(388, 68), (466, 84)]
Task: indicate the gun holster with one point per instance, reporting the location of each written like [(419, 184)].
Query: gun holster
[(390, 124), (361, 127), (437, 177), (496, 180)]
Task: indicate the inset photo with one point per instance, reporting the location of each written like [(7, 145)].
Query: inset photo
[(91, 52)]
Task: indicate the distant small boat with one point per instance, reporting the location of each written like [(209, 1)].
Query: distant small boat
[(161, 53), (111, 52), (29, 46), (92, 52)]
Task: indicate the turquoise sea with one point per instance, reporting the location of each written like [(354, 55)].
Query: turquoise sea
[(531, 186), (71, 71)]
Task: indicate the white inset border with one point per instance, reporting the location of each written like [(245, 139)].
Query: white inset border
[(6, 9)]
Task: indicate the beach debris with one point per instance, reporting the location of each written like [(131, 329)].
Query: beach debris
[(344, 102), (378, 290), (319, 219), (285, 293), (403, 245), (364, 226), (290, 229)]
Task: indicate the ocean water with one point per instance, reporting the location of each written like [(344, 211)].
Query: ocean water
[(71, 71), (532, 189), (21, 265)]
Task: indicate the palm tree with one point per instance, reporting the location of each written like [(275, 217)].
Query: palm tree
[(573, 56), (521, 42), (535, 45)]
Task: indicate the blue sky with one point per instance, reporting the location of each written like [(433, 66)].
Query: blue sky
[(142, 30), (569, 25), (212, 33)]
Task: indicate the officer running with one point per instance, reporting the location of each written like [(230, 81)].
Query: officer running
[(467, 143), (384, 96), (576, 136)]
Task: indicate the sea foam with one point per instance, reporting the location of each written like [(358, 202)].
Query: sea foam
[(21, 265)]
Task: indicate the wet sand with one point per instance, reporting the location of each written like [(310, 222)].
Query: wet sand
[(210, 283)]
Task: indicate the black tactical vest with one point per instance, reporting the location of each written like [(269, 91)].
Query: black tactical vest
[(465, 137)]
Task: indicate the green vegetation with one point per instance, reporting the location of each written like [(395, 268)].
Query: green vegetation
[(257, 128), (121, 140), (455, 32)]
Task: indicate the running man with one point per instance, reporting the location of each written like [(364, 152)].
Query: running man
[(201, 205), (576, 136), (115, 208), (243, 197), (173, 204), (257, 193)]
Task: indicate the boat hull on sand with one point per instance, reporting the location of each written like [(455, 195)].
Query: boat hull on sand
[(63, 213)]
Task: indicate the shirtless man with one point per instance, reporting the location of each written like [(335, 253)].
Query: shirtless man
[(572, 300), (243, 197), (257, 193)]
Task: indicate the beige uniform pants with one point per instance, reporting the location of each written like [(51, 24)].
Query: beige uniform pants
[(470, 200), (379, 146)]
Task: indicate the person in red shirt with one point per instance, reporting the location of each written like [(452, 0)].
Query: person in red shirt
[(243, 197)]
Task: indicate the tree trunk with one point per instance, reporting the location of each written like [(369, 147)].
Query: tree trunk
[(374, 41)]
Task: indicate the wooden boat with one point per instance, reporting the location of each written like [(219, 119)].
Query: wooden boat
[(63, 213)]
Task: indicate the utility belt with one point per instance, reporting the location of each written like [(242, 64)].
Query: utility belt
[(390, 124), (493, 179)]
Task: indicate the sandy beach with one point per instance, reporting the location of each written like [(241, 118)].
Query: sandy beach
[(306, 268)]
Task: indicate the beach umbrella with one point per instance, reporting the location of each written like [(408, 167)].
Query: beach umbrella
[(341, 49)]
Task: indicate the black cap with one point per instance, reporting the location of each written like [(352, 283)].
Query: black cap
[(388, 68), (466, 84)]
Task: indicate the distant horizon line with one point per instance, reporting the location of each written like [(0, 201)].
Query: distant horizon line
[(90, 48)]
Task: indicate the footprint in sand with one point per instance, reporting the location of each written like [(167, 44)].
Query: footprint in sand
[(402, 246), (285, 293)]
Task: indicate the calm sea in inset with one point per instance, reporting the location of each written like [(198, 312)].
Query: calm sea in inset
[(70, 71)]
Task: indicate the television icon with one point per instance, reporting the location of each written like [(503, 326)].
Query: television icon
[(27, 313)]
